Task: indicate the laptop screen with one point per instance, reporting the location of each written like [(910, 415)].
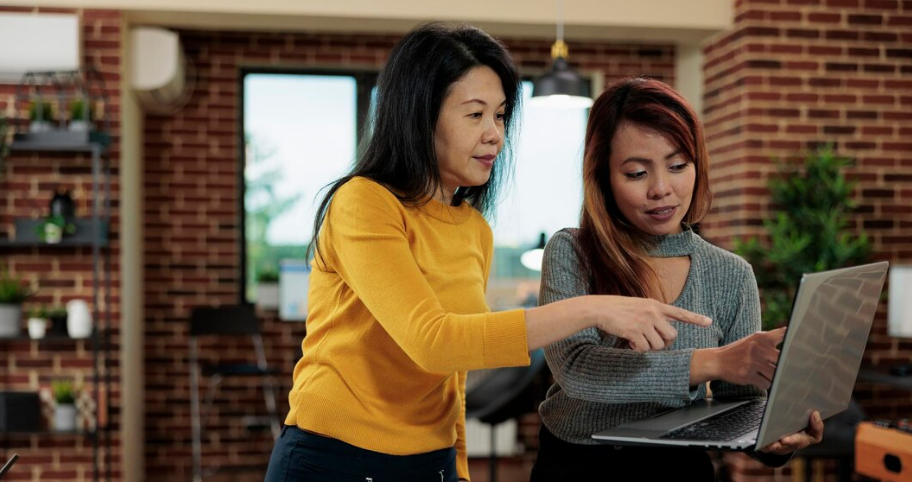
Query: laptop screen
[(824, 343)]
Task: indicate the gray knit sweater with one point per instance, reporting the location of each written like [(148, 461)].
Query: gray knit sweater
[(599, 385)]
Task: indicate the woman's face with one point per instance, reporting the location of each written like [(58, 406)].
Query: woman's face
[(652, 181), (470, 130)]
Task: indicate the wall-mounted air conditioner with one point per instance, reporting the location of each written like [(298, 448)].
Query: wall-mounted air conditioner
[(162, 76), (38, 43)]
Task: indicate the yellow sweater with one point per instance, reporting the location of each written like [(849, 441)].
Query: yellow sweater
[(397, 314)]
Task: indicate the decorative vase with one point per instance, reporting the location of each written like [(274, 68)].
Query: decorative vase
[(79, 319), (9, 320), (65, 417), (62, 205)]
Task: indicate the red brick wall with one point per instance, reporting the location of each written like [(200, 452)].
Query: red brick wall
[(27, 182), (191, 246), (795, 73)]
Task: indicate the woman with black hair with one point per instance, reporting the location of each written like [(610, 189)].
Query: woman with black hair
[(397, 310)]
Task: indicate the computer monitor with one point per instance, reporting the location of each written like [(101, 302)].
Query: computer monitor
[(294, 282)]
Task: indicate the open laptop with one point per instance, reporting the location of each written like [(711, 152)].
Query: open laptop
[(826, 336)]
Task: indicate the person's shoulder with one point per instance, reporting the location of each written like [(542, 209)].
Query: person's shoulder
[(562, 243), (718, 258), (364, 189)]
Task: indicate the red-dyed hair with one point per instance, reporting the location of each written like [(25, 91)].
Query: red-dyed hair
[(612, 249)]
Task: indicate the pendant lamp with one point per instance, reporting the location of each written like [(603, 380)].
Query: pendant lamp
[(561, 88)]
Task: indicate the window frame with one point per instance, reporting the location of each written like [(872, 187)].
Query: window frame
[(365, 80)]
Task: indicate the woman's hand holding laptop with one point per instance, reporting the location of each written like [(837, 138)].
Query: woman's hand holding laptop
[(811, 435)]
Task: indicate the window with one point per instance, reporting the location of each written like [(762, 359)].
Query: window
[(545, 196), (302, 131)]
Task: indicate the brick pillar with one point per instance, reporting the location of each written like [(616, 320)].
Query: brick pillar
[(792, 74)]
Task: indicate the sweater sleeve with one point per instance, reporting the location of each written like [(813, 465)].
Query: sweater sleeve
[(586, 365), (744, 321), (462, 456), (367, 244)]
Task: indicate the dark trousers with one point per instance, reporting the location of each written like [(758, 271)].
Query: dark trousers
[(564, 461), (304, 456)]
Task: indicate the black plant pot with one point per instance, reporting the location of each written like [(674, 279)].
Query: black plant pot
[(58, 326)]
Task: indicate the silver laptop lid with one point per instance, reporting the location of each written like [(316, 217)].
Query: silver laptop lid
[(824, 343)]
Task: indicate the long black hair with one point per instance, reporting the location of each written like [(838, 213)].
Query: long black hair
[(400, 153)]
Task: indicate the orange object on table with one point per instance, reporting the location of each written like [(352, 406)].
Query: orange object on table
[(883, 453)]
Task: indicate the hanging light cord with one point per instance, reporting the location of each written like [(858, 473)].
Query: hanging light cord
[(560, 20), (559, 49)]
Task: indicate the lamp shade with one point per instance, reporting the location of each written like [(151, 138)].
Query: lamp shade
[(561, 88), (532, 259)]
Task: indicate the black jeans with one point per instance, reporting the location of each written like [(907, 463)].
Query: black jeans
[(564, 461), (303, 456)]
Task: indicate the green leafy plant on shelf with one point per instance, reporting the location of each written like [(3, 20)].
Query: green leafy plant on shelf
[(41, 110), (80, 109), (57, 311), (807, 231), (267, 275), (64, 392), (38, 311), (13, 289), (53, 228)]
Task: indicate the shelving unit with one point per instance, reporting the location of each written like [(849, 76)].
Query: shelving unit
[(91, 232)]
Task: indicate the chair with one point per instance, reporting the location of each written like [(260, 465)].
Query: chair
[(225, 321), (495, 396)]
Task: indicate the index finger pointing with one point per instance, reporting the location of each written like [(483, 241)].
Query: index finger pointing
[(681, 314)]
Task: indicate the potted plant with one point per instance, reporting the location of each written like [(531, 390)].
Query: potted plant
[(13, 291), (267, 288), (64, 393), (81, 115), (37, 322), (807, 231), (41, 115), (58, 316), (53, 228)]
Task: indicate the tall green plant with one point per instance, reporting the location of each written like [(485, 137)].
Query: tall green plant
[(807, 231)]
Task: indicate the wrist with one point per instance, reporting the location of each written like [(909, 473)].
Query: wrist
[(705, 366)]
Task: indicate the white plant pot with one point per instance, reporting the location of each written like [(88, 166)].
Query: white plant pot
[(79, 319), (65, 418), (10, 316), (37, 327), (53, 233), (268, 296), (80, 126), (37, 127)]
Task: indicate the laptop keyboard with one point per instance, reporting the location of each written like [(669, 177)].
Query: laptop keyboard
[(723, 427)]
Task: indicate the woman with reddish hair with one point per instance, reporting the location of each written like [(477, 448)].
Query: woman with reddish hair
[(645, 185)]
